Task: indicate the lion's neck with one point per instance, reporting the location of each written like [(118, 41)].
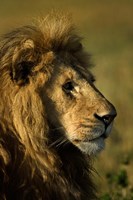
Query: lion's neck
[(75, 169), (66, 175)]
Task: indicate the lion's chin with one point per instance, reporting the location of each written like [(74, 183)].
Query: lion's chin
[(91, 147)]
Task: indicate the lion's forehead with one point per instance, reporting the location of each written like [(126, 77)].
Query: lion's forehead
[(69, 72)]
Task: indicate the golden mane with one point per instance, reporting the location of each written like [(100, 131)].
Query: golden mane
[(29, 167)]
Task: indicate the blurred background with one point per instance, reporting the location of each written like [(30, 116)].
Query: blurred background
[(107, 29)]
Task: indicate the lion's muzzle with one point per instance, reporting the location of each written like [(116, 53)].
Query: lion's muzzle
[(108, 117)]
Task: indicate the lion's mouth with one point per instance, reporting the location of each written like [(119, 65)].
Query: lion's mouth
[(104, 136)]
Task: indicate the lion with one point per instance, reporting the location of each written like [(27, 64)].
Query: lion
[(53, 119)]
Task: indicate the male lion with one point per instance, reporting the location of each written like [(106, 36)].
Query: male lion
[(52, 117)]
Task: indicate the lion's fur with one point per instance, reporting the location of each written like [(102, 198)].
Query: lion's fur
[(29, 167)]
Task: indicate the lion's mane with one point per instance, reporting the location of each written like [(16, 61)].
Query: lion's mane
[(29, 167)]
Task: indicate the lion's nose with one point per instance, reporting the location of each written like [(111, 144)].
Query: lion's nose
[(107, 118)]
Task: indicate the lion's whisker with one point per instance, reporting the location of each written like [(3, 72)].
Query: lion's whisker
[(61, 127), (58, 128), (62, 143), (56, 142)]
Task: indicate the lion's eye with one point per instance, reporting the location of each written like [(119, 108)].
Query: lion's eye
[(68, 87)]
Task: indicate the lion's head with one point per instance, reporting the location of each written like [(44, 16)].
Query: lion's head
[(77, 109), (48, 96), (50, 63)]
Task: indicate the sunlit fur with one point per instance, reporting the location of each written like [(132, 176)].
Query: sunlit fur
[(42, 129)]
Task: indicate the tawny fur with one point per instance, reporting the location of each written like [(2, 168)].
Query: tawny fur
[(30, 167)]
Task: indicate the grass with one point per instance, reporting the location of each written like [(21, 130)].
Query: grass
[(107, 26), (119, 186)]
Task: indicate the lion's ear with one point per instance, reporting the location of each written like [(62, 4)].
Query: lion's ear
[(25, 58), (21, 72)]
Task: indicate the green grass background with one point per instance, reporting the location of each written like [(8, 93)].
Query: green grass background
[(107, 28)]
